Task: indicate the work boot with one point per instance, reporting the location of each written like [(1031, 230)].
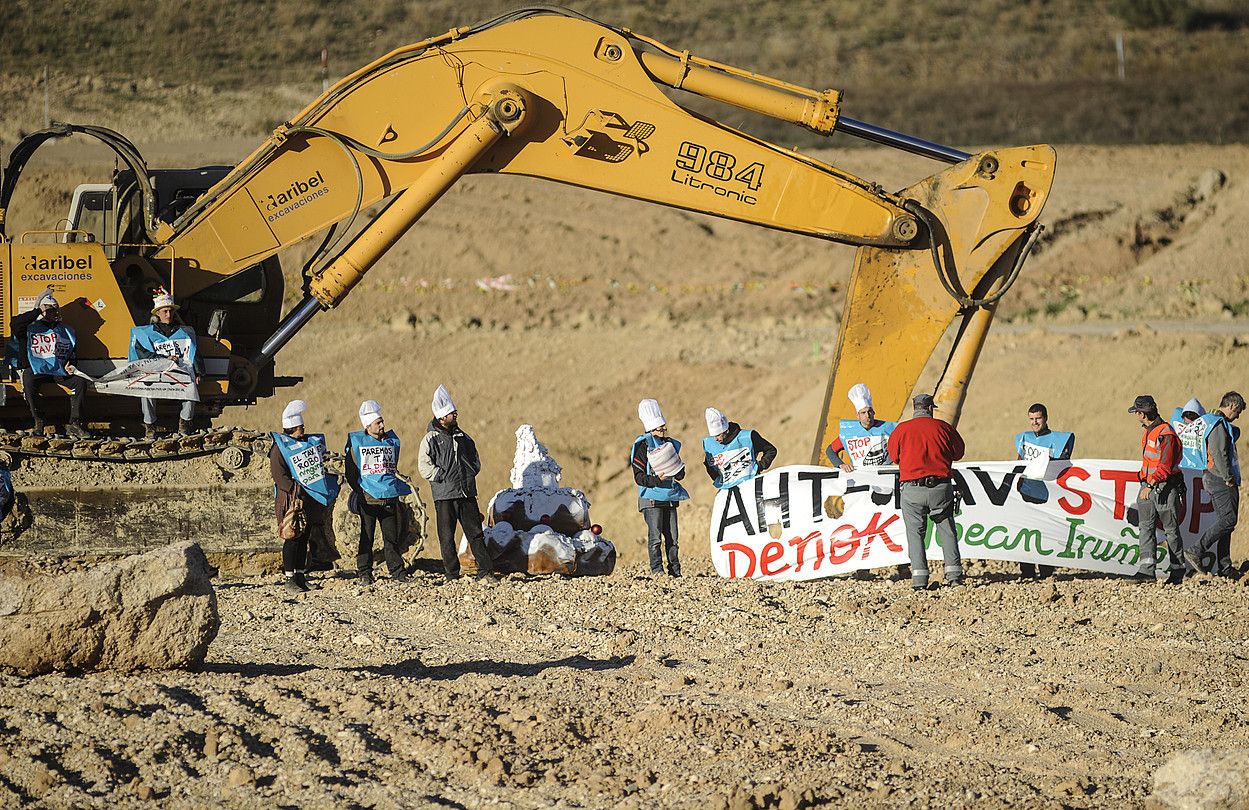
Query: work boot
[(302, 581), (291, 585), (365, 577), (185, 427), (400, 576), (38, 427), (149, 432), (76, 431)]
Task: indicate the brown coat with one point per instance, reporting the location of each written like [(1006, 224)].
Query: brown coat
[(286, 487)]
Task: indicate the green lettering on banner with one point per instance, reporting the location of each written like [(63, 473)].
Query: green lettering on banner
[(1031, 539), (1135, 545), (1073, 524), (971, 533)]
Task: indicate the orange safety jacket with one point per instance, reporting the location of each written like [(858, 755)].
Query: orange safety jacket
[(1160, 454)]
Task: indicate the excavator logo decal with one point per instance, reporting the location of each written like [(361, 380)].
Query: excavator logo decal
[(299, 194), (608, 144), (56, 268), (694, 163)]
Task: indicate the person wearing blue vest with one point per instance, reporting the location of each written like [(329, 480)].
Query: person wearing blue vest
[(658, 490), (47, 355), (1041, 442), (448, 460), (166, 336), (302, 486), (1191, 429), (372, 457), (864, 440), (732, 455), (1222, 480)]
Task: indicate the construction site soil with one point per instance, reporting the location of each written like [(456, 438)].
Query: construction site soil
[(561, 308)]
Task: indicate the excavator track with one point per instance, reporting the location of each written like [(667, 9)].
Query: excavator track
[(231, 445)]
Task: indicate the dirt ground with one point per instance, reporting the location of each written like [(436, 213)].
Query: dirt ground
[(631, 691)]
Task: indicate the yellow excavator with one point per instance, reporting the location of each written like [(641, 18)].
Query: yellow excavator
[(543, 92)]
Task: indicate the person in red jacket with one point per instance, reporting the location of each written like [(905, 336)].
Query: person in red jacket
[(1162, 492), (925, 448)]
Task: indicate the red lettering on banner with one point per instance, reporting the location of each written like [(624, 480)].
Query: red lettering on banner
[(800, 543), (771, 553), (1196, 506), (877, 529), (1121, 478), (1085, 502), (843, 541), (744, 549)]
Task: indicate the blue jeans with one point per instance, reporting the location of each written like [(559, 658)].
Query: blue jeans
[(661, 528)]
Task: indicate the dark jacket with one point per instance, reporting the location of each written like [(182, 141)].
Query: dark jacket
[(286, 487), (448, 460), (19, 327), (760, 448)]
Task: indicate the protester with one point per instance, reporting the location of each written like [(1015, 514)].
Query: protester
[(48, 355), (448, 460), (1041, 442), (304, 497), (732, 455), (925, 448), (658, 490), (166, 336), (1222, 480), (865, 440), (372, 457), (1161, 495), (1188, 425)]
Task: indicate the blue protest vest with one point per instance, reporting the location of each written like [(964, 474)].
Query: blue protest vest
[(377, 460), (305, 458), (1210, 422), (867, 447), (1192, 439), (47, 347), (669, 490), (734, 461), (1054, 444), (180, 343)]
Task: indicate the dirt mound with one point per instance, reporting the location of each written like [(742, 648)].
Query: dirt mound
[(629, 691)]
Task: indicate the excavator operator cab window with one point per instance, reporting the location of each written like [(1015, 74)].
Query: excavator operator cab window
[(91, 214)]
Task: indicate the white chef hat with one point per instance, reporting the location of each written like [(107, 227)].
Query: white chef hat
[(161, 300), (293, 416), (47, 300), (717, 422), (370, 412), (442, 404), (651, 416), (860, 397), (1193, 406)]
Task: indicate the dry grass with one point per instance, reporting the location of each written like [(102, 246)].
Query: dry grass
[(977, 71)]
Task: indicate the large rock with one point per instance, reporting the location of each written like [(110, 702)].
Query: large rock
[(1202, 780), (151, 611)]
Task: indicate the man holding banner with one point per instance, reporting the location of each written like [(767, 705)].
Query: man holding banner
[(864, 440), (166, 336), (1161, 497), (46, 353), (925, 448), (1222, 480), (1041, 442)]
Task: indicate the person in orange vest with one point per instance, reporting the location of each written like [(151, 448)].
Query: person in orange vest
[(925, 448), (1161, 498)]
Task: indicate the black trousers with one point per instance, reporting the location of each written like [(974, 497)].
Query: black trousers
[(295, 555), (30, 390), (387, 515), (464, 512), (1215, 545)]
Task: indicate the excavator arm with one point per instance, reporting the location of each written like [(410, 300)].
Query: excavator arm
[(548, 93)]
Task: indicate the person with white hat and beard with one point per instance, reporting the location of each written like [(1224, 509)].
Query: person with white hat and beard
[(448, 460), (732, 455), (864, 440), (372, 457), (166, 336), (304, 494), (656, 464), (46, 353)]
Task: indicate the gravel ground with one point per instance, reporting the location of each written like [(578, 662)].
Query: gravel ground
[(632, 691)]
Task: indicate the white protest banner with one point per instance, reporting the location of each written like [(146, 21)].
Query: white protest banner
[(802, 522), (153, 377)]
